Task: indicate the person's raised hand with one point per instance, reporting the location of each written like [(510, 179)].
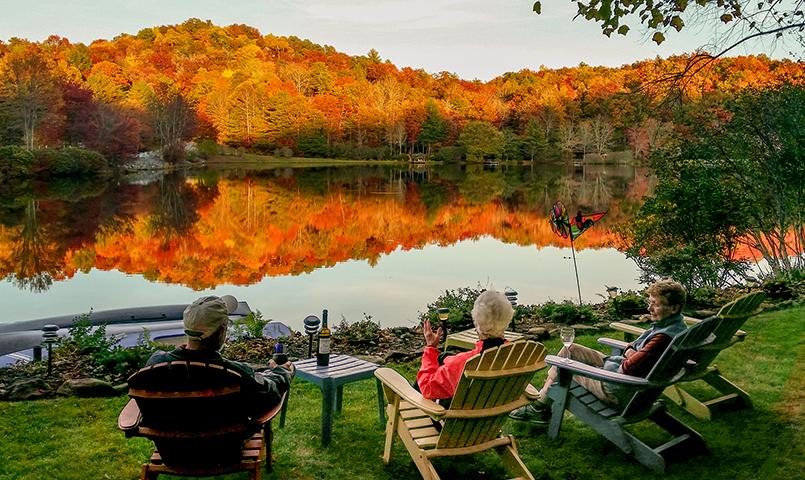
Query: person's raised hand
[(432, 338)]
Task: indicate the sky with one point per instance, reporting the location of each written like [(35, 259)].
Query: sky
[(475, 39)]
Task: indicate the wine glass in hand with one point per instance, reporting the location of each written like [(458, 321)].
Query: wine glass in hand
[(567, 334)]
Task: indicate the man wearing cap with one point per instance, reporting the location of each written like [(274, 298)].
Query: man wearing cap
[(205, 323), (491, 313)]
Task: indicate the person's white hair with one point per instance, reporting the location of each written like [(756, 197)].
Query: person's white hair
[(491, 314)]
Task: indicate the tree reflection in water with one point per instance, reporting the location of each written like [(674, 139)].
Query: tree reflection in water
[(175, 210), (237, 227), (34, 260)]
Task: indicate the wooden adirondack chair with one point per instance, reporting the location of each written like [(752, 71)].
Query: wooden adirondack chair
[(197, 418), (610, 421), (730, 319), (493, 384)]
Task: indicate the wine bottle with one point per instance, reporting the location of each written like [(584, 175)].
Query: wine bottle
[(323, 352), (280, 358)]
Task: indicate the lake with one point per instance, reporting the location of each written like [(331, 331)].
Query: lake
[(380, 241)]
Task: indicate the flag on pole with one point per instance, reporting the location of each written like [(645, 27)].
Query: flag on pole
[(580, 223)]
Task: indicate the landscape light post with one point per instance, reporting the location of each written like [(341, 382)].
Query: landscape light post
[(311, 328), (511, 295), (49, 337)]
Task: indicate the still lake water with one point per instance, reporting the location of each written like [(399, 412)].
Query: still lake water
[(382, 241)]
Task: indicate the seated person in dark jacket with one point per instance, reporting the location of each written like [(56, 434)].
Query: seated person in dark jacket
[(205, 323), (665, 301)]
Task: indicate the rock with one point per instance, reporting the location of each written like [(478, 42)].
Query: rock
[(276, 330), (29, 389), (539, 333), (371, 359), (122, 388), (87, 387), (397, 357), (584, 329)]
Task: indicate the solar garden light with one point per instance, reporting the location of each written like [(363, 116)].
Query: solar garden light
[(443, 313), (612, 292), (49, 337), (511, 294), (312, 323)]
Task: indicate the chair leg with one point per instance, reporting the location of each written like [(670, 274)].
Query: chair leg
[(425, 467), (733, 394), (391, 429), (147, 474), (687, 401), (512, 461), (268, 438)]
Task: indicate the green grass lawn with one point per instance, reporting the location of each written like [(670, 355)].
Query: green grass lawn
[(78, 438)]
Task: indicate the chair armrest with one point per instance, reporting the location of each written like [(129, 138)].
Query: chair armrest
[(267, 416), (392, 380), (531, 392), (580, 368), (617, 346), (627, 328), (129, 418)]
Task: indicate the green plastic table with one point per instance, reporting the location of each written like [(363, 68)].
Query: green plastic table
[(331, 379)]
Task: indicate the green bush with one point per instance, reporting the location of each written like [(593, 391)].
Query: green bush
[(626, 304), (362, 331), (100, 355), (459, 302), (250, 326), (450, 154), (567, 313), (71, 161), (702, 297), (15, 162), (786, 285), (206, 148)]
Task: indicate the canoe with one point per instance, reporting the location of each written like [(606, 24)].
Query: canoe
[(127, 325)]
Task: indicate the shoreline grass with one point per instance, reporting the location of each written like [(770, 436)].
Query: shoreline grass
[(72, 438)]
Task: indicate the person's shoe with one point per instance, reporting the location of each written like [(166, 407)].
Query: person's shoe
[(537, 413)]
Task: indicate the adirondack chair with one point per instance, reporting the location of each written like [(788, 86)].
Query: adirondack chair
[(493, 383), (730, 319), (610, 421), (197, 418), (466, 339)]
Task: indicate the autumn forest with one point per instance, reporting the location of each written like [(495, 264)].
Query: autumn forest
[(242, 89)]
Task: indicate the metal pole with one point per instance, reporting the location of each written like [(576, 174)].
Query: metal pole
[(573, 251)]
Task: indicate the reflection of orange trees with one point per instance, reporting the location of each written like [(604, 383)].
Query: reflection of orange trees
[(251, 231), (29, 256)]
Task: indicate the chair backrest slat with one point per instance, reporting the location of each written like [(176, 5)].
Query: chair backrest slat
[(485, 391), (731, 317), (188, 396)]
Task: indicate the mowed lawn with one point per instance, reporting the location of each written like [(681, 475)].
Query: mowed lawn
[(78, 438)]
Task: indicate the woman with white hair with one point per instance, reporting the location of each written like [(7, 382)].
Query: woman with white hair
[(491, 314)]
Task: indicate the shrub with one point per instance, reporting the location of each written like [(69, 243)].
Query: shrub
[(449, 154), (206, 148), (72, 161), (362, 331), (567, 313), (459, 302), (250, 326), (702, 297), (626, 304), (15, 162), (96, 354), (785, 285)]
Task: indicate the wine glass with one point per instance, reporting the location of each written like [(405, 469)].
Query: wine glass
[(443, 313), (567, 334)]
